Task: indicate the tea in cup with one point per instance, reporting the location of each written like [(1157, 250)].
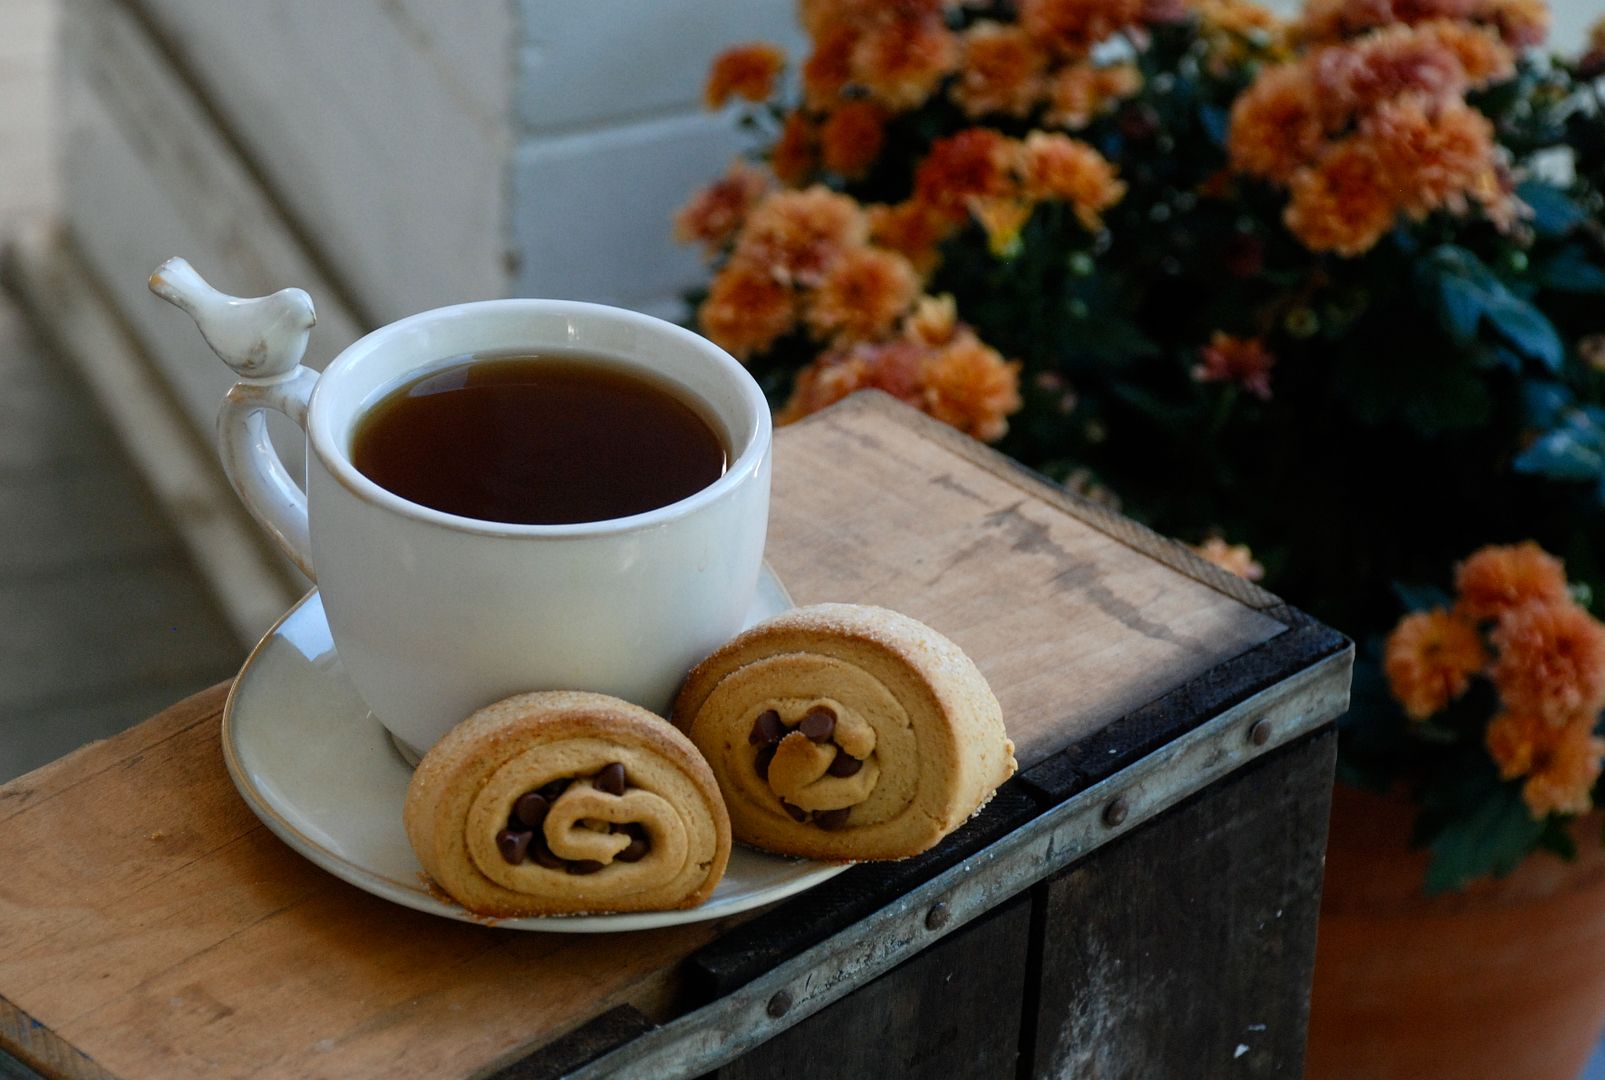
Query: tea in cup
[(501, 496)]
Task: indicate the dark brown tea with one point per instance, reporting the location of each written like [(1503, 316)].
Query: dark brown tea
[(537, 440)]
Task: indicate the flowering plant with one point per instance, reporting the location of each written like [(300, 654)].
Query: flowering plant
[(1503, 686), (1314, 286)]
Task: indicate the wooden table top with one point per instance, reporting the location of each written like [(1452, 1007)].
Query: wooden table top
[(150, 926)]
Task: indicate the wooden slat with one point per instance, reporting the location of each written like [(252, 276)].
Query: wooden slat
[(203, 946), (1186, 947), (953, 1012), (763, 943), (153, 924), (1071, 623)]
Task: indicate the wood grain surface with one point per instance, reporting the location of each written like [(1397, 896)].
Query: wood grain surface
[(1186, 947), (151, 927), (1063, 606)]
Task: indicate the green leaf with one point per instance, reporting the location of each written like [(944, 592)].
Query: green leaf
[(1492, 837), (1543, 403), (1215, 123), (1433, 390), (1460, 307), (1569, 270), (1527, 330), (1421, 597), (1554, 212), (1572, 450), (1561, 455), (1556, 838), (1114, 340)]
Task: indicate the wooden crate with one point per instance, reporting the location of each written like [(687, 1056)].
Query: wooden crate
[(1139, 901)]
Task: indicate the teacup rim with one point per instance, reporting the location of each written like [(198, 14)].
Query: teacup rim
[(324, 445)]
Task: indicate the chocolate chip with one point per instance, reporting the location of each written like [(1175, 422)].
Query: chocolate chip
[(610, 779), (531, 809), (543, 855), (831, 820), (637, 850), (766, 754), (797, 813), (844, 764), (767, 729), (513, 845), (554, 789), (819, 725), (585, 866)]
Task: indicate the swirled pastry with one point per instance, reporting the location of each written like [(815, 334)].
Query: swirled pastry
[(846, 732), (563, 803)]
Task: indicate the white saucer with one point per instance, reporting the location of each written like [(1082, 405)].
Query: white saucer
[(313, 763)]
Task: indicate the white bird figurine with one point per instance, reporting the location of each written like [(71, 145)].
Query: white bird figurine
[(261, 337)]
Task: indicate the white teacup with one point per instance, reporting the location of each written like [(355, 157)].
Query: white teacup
[(435, 615)]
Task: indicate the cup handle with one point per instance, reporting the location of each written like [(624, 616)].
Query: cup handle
[(262, 339)]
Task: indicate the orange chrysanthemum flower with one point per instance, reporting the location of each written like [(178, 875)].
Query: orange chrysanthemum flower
[(1240, 17), (1551, 661), (933, 321), (1342, 205), (820, 385), (970, 386), (1334, 20), (1435, 156), (1513, 739), (1055, 166), (1481, 55), (795, 154), (797, 236), (1244, 361), (819, 17), (1233, 558), (957, 379), (1519, 23), (744, 71), (746, 310), (1002, 219), (894, 367), (1435, 58), (1563, 772), (828, 69), (1001, 71), (1071, 27), (714, 214), (975, 163), (1429, 661), (913, 230), (1439, 59), (1405, 142), (850, 138), (1079, 93), (1561, 764), (1497, 579), (901, 61), (1275, 124), (862, 296)]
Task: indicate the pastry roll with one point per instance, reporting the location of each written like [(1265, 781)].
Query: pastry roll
[(846, 732), (566, 803)]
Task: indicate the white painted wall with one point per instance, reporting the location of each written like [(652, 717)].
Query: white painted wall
[(432, 153)]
